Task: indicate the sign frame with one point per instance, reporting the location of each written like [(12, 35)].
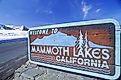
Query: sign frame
[(102, 21)]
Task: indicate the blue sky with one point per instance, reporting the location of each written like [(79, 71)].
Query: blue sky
[(41, 12)]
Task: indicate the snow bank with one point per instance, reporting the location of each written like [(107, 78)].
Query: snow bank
[(12, 34)]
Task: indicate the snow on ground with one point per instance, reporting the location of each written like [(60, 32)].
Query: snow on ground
[(12, 34)]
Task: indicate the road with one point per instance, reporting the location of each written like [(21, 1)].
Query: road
[(12, 56)]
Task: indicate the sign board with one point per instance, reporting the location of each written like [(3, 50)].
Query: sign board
[(90, 47)]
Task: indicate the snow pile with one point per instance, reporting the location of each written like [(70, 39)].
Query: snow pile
[(12, 34)]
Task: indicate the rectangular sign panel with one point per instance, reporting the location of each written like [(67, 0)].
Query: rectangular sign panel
[(90, 47)]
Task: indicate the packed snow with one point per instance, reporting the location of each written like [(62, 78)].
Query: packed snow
[(12, 34)]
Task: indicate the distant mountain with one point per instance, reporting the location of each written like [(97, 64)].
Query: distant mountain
[(13, 27), (23, 28), (12, 32), (16, 27), (3, 27)]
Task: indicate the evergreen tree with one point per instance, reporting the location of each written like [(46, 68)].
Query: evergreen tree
[(86, 41), (81, 41), (86, 46), (79, 44)]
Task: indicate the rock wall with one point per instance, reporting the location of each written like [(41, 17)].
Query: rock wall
[(31, 71)]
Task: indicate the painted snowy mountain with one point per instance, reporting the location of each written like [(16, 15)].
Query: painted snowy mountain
[(58, 39), (93, 45), (62, 39)]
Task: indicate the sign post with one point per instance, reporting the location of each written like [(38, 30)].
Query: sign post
[(90, 47)]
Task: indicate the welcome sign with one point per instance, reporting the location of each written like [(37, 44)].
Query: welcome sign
[(91, 47)]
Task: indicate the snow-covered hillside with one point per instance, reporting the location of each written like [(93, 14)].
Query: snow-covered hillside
[(17, 27), (12, 32), (13, 27), (3, 27)]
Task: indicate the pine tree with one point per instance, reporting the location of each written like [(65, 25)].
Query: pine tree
[(86, 46), (86, 40), (80, 43)]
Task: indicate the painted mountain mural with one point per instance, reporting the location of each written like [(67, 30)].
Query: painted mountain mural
[(62, 39)]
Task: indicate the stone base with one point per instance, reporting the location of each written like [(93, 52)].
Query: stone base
[(31, 71)]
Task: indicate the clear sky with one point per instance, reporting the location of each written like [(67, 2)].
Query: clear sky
[(41, 12)]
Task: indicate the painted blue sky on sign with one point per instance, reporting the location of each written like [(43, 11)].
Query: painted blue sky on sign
[(40, 12)]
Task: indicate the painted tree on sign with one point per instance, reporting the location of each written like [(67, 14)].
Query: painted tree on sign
[(80, 43)]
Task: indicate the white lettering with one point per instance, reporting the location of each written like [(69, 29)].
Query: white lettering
[(96, 53), (105, 53)]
